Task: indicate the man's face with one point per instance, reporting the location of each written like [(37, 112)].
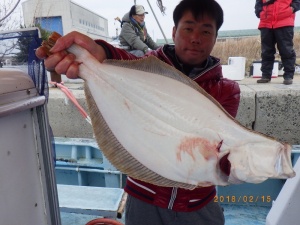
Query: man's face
[(139, 18), (194, 39)]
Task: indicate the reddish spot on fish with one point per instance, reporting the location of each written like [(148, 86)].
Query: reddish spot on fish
[(127, 105), (205, 147)]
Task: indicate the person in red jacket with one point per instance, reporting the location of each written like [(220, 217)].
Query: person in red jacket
[(277, 18), (194, 34)]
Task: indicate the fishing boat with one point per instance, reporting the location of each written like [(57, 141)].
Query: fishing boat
[(81, 160)]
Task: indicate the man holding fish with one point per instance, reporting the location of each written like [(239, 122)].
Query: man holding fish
[(194, 34)]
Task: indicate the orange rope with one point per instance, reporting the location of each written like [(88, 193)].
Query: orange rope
[(70, 95), (104, 221)]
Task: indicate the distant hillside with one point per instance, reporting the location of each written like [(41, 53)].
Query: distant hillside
[(244, 43), (229, 34)]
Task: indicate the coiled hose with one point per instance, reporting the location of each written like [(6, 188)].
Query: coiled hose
[(104, 221)]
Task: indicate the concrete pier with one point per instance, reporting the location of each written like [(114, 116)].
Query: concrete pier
[(272, 109)]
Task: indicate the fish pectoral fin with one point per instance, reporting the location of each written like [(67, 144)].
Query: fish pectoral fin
[(232, 179), (228, 173), (225, 164)]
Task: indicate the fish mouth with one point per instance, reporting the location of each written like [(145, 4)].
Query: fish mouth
[(278, 168)]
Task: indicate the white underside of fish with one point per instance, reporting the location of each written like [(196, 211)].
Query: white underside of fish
[(171, 130)]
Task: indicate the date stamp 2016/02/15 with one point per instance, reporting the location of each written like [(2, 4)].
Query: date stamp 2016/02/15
[(243, 199)]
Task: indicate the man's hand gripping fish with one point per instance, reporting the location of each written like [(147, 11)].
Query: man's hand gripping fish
[(155, 124)]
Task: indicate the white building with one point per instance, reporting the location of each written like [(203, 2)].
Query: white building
[(64, 16)]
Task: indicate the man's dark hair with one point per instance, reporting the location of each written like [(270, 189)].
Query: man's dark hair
[(199, 8)]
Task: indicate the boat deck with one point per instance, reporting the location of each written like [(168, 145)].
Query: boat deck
[(81, 163)]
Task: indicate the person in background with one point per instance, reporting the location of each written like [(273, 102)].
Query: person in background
[(194, 35), (277, 18), (134, 35)]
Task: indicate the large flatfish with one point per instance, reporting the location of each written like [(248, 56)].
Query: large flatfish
[(155, 124)]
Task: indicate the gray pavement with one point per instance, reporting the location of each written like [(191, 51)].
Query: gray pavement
[(275, 80)]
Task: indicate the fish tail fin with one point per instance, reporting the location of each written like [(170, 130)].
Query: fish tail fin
[(283, 164)]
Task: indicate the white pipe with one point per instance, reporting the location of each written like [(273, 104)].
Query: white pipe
[(296, 151), (78, 169)]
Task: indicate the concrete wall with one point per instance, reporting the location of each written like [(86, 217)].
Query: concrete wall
[(278, 111), (272, 109)]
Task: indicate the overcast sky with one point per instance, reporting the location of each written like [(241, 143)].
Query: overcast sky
[(238, 14)]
